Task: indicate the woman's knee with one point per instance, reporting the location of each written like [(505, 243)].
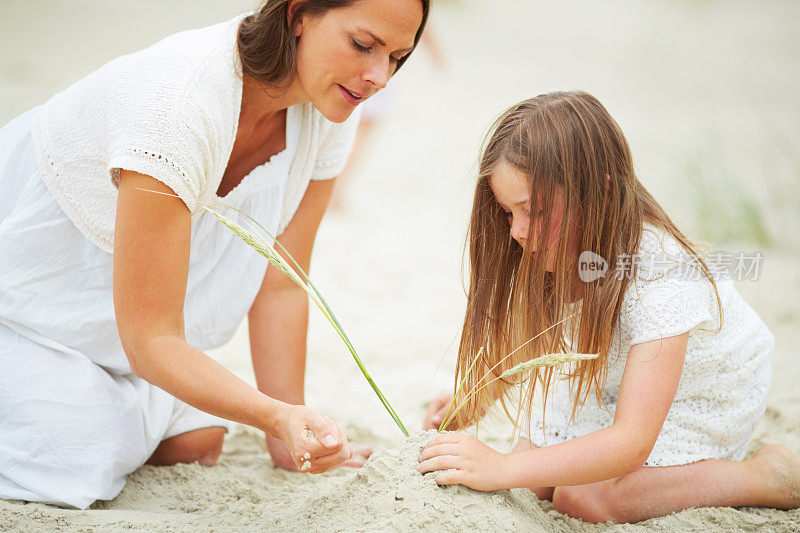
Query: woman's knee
[(203, 446), (587, 502)]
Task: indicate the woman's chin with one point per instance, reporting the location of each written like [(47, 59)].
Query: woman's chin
[(337, 113)]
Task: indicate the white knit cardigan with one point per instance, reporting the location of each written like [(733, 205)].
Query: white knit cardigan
[(170, 111)]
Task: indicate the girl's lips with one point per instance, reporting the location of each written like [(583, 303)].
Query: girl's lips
[(351, 99)]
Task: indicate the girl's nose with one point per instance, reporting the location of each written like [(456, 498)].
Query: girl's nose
[(519, 231)]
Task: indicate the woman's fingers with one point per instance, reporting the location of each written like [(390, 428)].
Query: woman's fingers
[(322, 437), (341, 437), (318, 465), (440, 462)]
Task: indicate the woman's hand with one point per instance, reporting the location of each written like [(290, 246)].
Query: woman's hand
[(282, 458), (467, 462), (437, 409), (315, 443)]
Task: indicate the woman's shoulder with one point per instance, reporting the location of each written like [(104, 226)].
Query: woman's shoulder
[(161, 74)]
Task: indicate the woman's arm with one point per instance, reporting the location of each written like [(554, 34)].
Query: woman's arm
[(151, 264), (651, 377), (278, 318)]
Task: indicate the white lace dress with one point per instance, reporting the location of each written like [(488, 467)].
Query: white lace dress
[(726, 376)]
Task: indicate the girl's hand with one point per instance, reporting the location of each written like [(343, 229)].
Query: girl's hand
[(437, 409), (315, 442), (469, 462)]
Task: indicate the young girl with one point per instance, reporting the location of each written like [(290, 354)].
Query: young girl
[(660, 421)]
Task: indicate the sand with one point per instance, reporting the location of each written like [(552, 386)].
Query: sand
[(687, 80), (243, 493)]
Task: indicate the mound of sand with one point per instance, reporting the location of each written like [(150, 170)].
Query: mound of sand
[(388, 493)]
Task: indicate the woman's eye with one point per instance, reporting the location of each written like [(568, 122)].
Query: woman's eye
[(360, 47)]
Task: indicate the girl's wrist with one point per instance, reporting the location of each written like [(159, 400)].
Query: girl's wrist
[(516, 468)]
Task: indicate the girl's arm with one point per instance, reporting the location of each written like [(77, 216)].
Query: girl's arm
[(151, 264), (651, 377)]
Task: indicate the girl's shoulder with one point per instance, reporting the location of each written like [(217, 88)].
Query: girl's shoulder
[(668, 294)]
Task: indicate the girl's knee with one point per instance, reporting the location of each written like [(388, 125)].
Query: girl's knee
[(202, 446), (585, 502)]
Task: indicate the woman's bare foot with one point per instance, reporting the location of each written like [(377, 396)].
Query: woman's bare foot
[(780, 469)]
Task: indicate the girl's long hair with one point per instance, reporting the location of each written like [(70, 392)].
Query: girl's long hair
[(566, 143)]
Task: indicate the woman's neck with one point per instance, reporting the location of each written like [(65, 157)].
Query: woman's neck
[(262, 103)]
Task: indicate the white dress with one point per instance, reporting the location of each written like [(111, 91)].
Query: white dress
[(726, 376), (74, 420)]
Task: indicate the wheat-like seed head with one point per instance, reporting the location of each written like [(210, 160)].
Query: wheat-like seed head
[(267, 251), (551, 359)]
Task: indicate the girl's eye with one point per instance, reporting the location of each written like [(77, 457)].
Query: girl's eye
[(360, 47)]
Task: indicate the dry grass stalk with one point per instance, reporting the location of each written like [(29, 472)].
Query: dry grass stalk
[(296, 274), (547, 360)]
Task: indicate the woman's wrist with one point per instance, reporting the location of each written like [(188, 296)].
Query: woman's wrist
[(273, 416)]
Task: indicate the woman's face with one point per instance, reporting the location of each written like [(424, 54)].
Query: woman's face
[(348, 54), (512, 190)]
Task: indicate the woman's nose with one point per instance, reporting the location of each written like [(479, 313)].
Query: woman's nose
[(378, 72)]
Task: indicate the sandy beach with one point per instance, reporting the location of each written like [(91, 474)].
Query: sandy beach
[(706, 93)]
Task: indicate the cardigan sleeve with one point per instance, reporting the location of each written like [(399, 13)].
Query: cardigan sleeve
[(175, 142), (175, 116)]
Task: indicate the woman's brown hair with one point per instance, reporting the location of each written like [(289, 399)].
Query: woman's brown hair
[(565, 143), (267, 44)]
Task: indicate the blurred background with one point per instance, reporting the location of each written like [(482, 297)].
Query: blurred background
[(706, 92)]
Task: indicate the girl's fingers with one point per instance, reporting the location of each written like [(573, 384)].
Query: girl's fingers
[(446, 438), (441, 462), (438, 417), (450, 477), (439, 449)]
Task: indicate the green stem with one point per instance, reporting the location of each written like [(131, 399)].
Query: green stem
[(328, 312), (458, 389), (475, 389)]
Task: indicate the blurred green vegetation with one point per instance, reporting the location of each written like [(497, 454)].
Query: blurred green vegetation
[(758, 206)]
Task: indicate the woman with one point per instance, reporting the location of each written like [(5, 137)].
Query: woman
[(109, 292)]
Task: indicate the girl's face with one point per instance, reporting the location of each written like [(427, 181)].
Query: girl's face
[(348, 54), (512, 190)]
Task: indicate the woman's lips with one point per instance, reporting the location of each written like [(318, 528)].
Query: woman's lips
[(352, 98)]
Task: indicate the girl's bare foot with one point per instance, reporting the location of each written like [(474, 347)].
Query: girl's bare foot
[(780, 469)]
